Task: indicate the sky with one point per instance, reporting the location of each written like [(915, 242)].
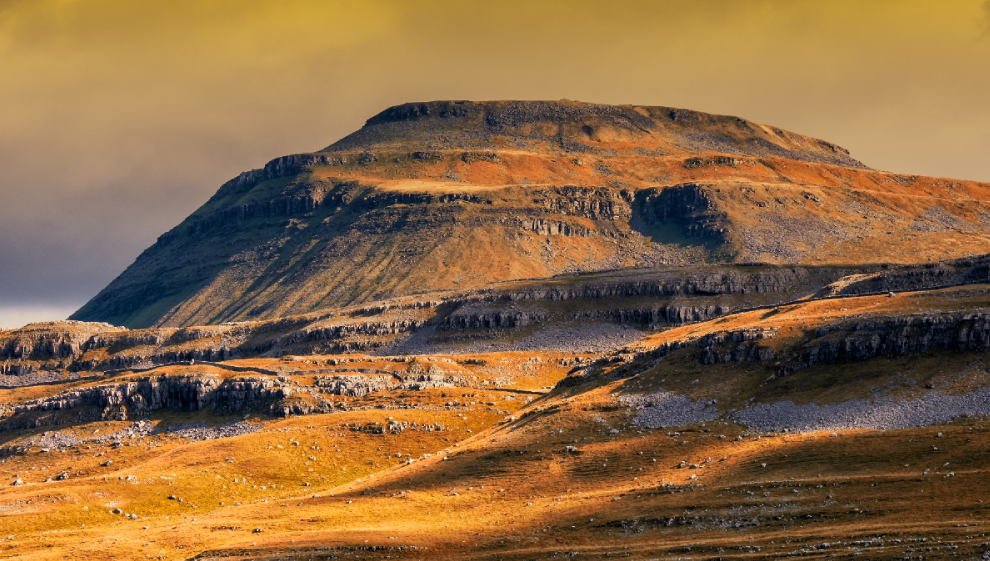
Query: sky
[(119, 118)]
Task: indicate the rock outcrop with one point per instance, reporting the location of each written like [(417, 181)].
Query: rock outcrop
[(861, 340), (927, 276), (645, 299), (359, 386), (141, 396), (838, 342)]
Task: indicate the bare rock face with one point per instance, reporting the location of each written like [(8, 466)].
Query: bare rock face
[(463, 196), (839, 342), (861, 340), (941, 274), (358, 386), (52, 340), (139, 397)]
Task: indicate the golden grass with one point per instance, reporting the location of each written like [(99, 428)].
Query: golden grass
[(510, 490)]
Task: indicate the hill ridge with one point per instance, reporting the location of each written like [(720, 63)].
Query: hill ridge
[(571, 126), (462, 195)]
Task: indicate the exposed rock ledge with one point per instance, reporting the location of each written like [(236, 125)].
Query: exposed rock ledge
[(138, 397)]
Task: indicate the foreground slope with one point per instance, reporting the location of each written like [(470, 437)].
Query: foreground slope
[(816, 427), (465, 195)]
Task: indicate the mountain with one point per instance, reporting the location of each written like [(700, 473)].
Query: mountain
[(445, 196), (549, 329)]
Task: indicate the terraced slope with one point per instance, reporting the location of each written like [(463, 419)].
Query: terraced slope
[(463, 195), (817, 427)]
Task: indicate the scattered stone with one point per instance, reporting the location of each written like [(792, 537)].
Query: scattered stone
[(664, 409)]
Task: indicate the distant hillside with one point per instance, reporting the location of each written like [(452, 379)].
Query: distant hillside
[(462, 195)]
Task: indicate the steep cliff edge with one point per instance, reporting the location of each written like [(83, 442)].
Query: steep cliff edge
[(464, 195)]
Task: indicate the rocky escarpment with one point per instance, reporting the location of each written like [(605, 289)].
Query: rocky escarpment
[(851, 341), (141, 396), (688, 208), (839, 342), (675, 282), (861, 340), (356, 385), (45, 352), (51, 341), (645, 299), (274, 395), (56, 351), (941, 274), (781, 400)]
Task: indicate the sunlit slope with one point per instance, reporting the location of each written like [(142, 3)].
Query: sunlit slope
[(665, 447), (572, 473), (464, 195)]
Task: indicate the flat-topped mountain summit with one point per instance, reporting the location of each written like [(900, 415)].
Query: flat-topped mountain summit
[(574, 127), (461, 196)]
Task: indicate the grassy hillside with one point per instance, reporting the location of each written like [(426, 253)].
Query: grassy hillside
[(536, 454)]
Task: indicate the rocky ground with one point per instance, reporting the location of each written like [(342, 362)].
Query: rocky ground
[(811, 428), (57, 440), (667, 410)]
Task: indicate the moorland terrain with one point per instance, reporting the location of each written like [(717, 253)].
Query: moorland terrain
[(523, 330)]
